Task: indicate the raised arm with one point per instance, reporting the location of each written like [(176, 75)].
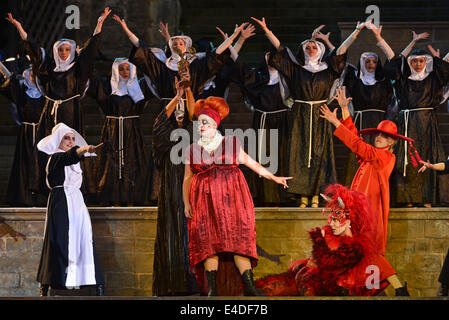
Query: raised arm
[(244, 35), (234, 53), (381, 43), (170, 107), (163, 29), (226, 43), (349, 40), (274, 41), (416, 38), (131, 36), (18, 26), (101, 20)]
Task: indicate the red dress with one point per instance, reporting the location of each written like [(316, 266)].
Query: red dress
[(372, 179), (223, 212)]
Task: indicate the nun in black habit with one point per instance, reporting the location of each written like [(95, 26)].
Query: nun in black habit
[(68, 258), (63, 77), (372, 96), (265, 94), (420, 80), (123, 169), (160, 71), (28, 102), (310, 76), (171, 268)]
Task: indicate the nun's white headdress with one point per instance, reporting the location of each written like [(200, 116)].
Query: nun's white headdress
[(31, 89), (64, 65), (172, 61), (423, 73), (314, 63), (50, 144), (368, 78), (121, 87)]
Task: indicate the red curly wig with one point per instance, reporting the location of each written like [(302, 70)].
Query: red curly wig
[(217, 104), (356, 207)]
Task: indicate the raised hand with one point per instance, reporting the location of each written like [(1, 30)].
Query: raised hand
[(317, 31), (120, 21), (330, 116), (163, 29), (101, 20), (261, 23), (179, 88), (435, 53), (13, 21), (340, 96), (18, 26), (104, 15), (420, 36), (376, 31), (360, 25), (248, 32), (223, 34)]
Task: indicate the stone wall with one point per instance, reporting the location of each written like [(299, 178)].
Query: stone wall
[(417, 244)]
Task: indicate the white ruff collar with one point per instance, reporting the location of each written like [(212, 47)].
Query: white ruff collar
[(211, 144)]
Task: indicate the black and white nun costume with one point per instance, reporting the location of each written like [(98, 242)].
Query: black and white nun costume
[(68, 258)]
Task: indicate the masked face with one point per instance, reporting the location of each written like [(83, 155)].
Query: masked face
[(179, 44), (418, 64), (206, 126), (370, 64), (124, 71), (383, 140), (311, 49), (64, 51), (67, 142)]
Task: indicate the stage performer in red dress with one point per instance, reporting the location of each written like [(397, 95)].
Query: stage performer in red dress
[(372, 178), (219, 206), (341, 255)]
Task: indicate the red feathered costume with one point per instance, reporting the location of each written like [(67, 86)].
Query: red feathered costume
[(338, 265)]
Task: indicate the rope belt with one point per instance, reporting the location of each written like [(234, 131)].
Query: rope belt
[(121, 155), (56, 105), (62, 186), (406, 117), (34, 125), (359, 113), (261, 130), (310, 103)]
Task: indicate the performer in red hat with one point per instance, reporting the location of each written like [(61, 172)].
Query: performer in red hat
[(372, 178)]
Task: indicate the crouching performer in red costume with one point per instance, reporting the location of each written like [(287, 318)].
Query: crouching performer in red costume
[(342, 254)]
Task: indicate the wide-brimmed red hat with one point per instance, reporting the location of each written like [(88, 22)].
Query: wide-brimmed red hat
[(387, 127)]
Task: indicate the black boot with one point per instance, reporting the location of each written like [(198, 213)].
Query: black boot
[(249, 286), (402, 292), (212, 283), (100, 290), (443, 291), (43, 290)]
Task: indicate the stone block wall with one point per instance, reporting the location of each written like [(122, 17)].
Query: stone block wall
[(417, 244)]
